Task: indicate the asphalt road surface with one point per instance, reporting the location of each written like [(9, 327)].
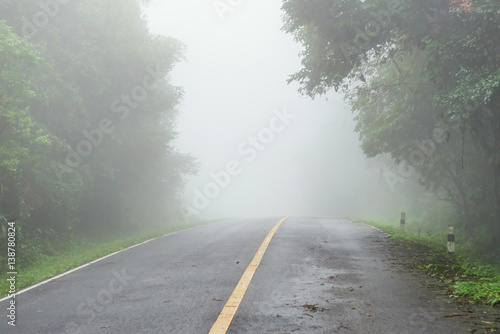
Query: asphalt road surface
[(318, 275)]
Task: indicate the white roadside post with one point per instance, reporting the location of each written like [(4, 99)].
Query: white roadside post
[(402, 222), (451, 239)]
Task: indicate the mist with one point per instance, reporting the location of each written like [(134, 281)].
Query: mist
[(235, 80), (340, 151)]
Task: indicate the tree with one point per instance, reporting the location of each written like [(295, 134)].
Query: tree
[(423, 79), (90, 116), (22, 142)]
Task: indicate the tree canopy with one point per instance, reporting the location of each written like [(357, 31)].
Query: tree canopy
[(87, 117), (423, 80)]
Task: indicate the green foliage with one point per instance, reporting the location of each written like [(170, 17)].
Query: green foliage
[(423, 78), (23, 143), (484, 290), (87, 119)]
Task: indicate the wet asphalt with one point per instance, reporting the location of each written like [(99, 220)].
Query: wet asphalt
[(318, 275)]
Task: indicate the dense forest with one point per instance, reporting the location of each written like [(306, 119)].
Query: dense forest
[(423, 81), (87, 118)]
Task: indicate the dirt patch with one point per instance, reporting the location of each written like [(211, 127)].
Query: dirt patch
[(438, 272), (313, 308)]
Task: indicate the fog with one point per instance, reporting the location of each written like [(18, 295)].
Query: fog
[(234, 81)]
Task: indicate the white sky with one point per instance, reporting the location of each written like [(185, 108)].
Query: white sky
[(235, 74)]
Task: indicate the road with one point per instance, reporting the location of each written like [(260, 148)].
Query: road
[(318, 275)]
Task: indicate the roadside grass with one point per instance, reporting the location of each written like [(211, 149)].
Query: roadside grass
[(77, 253), (471, 278)]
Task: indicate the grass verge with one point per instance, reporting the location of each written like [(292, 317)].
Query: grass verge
[(470, 278), (78, 253)]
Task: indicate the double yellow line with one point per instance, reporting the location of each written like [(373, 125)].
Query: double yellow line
[(226, 316)]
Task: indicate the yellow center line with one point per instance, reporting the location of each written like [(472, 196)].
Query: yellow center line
[(226, 316)]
